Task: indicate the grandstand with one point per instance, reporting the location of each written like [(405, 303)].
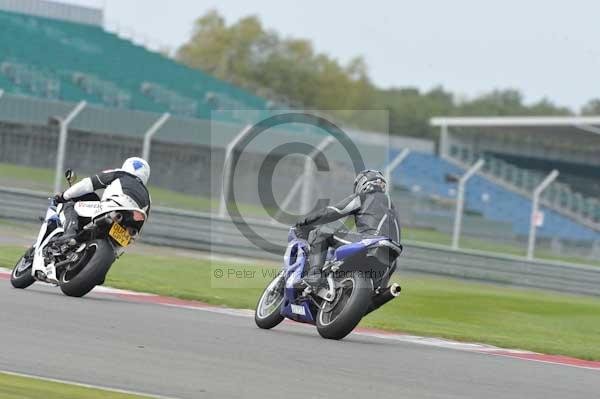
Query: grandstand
[(426, 174), (69, 61), (61, 61), (519, 153)]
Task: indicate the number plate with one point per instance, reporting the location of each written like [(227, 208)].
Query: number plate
[(297, 309), (120, 234)]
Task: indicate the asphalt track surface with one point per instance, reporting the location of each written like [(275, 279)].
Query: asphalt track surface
[(185, 353)]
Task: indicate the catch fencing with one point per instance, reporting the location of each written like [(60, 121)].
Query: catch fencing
[(188, 156), (208, 232)]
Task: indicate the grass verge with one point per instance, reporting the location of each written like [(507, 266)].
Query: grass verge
[(41, 179), (507, 317), (17, 387)]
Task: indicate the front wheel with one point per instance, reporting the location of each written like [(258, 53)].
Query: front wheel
[(21, 276), (80, 278), (337, 319), (267, 314)]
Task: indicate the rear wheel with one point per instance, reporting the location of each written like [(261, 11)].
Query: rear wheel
[(81, 277), (267, 314), (21, 275), (337, 319)]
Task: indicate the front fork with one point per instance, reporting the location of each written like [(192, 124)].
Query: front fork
[(50, 228), (40, 270)]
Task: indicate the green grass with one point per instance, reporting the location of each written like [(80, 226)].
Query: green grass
[(508, 317), (440, 238), (18, 225), (16, 387), (43, 180), (27, 175)]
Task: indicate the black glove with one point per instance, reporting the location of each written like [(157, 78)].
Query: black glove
[(302, 222), (59, 198), (302, 231)]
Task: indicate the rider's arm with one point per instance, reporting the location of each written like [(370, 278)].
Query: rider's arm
[(103, 179), (90, 184), (77, 190), (345, 207)]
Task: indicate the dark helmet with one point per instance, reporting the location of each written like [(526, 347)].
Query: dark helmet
[(369, 180)]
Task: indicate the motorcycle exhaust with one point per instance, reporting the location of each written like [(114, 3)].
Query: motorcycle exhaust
[(384, 297), (105, 221)]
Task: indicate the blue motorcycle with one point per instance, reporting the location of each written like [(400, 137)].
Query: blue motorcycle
[(357, 277)]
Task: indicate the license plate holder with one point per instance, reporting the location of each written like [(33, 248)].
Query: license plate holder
[(298, 309), (120, 235)]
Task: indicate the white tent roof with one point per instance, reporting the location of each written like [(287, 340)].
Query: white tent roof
[(520, 121)]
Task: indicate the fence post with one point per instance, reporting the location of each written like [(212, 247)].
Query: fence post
[(307, 179), (534, 211), (443, 149), (300, 181), (460, 201), (227, 183), (1, 93), (151, 132), (392, 166), (63, 124)]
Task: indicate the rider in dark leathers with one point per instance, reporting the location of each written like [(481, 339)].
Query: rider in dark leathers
[(374, 215)]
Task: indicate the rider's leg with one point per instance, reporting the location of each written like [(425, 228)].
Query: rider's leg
[(71, 219), (318, 253), (346, 237), (319, 241)]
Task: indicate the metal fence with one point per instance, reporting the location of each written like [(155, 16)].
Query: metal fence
[(188, 157), (207, 232)]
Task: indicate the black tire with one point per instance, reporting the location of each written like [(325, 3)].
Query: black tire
[(335, 321), (93, 270), (21, 275), (267, 313)]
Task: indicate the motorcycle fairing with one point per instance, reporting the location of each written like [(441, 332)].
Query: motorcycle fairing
[(113, 199), (372, 256), (88, 209), (38, 258), (93, 209), (363, 255), (298, 312), (52, 215), (294, 263), (350, 249)]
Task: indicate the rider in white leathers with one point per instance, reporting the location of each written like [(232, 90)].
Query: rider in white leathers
[(130, 179)]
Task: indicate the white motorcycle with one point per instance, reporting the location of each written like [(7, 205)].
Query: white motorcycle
[(110, 226)]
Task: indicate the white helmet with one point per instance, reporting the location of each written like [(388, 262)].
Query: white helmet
[(137, 167)]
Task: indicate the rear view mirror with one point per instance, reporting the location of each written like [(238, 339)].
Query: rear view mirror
[(70, 176)]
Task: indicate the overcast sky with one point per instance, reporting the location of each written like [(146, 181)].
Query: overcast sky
[(544, 48)]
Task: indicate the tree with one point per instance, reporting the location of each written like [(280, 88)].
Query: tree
[(290, 72), (592, 107)]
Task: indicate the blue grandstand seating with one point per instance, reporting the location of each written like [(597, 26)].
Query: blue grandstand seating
[(427, 173)]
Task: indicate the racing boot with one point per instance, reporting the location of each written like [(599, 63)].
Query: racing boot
[(71, 224), (315, 278)]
